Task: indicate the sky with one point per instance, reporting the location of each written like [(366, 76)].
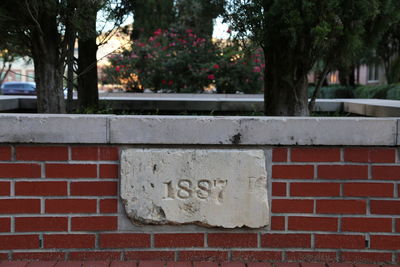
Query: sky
[(220, 28)]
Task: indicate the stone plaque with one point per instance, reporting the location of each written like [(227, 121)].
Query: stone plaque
[(213, 188)]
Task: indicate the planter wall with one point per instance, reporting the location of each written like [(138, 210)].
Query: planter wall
[(334, 189)]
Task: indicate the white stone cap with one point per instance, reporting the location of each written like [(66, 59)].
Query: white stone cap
[(198, 130)]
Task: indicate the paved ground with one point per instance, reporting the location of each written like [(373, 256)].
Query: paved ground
[(172, 264)]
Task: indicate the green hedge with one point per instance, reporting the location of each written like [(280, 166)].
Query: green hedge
[(333, 91), (391, 91)]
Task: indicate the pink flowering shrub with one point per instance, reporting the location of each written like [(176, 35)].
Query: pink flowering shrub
[(180, 61)]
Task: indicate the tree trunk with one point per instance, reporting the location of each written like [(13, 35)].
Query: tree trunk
[(49, 67), (318, 86), (88, 94), (286, 86)]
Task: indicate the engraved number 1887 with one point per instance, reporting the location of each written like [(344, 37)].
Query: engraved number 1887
[(187, 189)]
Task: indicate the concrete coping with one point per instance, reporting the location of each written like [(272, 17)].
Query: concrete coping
[(198, 130)]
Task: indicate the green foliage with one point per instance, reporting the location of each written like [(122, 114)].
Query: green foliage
[(333, 91), (391, 91), (181, 61)]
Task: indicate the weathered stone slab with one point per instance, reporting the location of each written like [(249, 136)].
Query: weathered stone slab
[(214, 188)]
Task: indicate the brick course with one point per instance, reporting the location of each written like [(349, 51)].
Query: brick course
[(336, 204)]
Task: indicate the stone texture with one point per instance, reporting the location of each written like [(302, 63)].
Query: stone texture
[(253, 130), (214, 188), (45, 128)]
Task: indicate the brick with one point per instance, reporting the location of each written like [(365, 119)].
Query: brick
[(259, 264), (277, 223), (343, 172), (41, 256), (109, 171), (123, 264), (286, 240), (100, 223), (41, 224), (367, 225), (94, 188), (205, 264), (368, 190), (20, 170), (4, 188), (14, 264), (370, 155), (278, 189), (71, 206), (124, 240), (386, 172), (5, 153), (96, 263), (69, 264), (341, 265), (325, 206), (108, 206), (179, 264), (8, 242), (279, 154), (109, 153), (69, 241), (42, 264), (95, 255), (367, 257), (292, 206), (315, 154), (305, 256), (5, 225), (3, 257), (151, 264), (149, 255), (385, 242), (41, 188), (85, 153), (398, 226), (232, 264), (252, 256), (41, 153), (292, 171), (340, 241), (203, 255), (304, 264), (71, 170), (178, 240), (390, 207), (286, 264), (299, 223), (14, 206), (315, 189), (228, 240)]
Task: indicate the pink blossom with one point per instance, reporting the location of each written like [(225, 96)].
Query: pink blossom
[(164, 82), (229, 30), (189, 30), (141, 44), (117, 68), (216, 66), (170, 82), (257, 69), (211, 77), (158, 32)]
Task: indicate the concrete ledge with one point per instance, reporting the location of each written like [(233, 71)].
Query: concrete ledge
[(38, 128), (217, 103), (198, 130)]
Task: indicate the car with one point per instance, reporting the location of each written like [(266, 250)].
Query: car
[(18, 88)]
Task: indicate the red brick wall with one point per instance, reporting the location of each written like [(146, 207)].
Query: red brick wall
[(328, 204)]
